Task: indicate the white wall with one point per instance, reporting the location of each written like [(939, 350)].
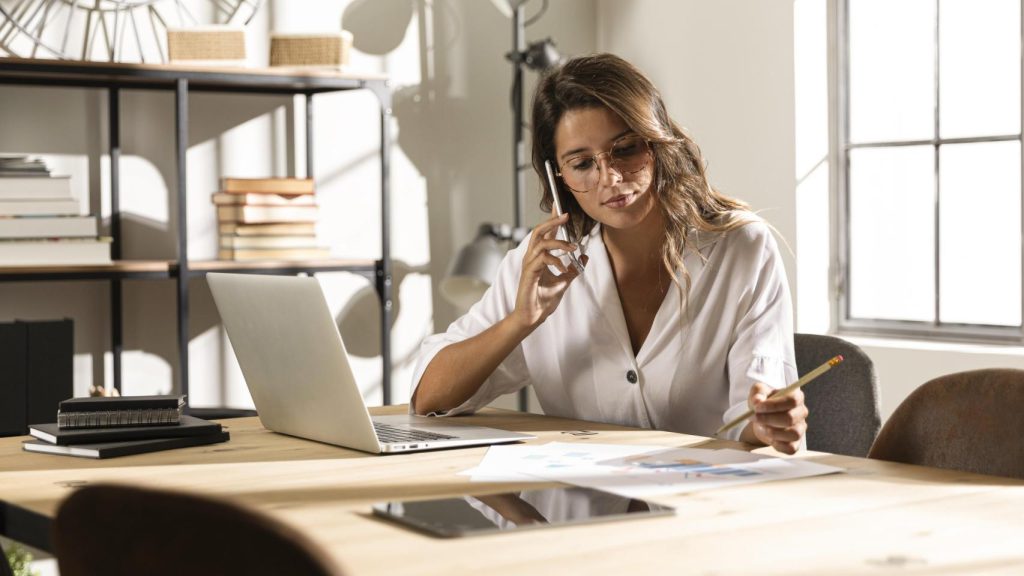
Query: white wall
[(903, 365), (725, 71)]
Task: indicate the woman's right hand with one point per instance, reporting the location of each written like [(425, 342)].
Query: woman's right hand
[(459, 369), (540, 290)]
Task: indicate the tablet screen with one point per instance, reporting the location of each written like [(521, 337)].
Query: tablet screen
[(468, 515)]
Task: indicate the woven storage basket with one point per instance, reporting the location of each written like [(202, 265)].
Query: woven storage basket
[(326, 50), (206, 43)]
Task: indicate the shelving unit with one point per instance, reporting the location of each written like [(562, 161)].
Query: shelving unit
[(182, 81)]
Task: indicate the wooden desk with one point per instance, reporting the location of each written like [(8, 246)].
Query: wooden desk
[(878, 518)]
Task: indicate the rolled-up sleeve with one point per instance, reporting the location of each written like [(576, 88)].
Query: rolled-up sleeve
[(762, 341), (497, 302)]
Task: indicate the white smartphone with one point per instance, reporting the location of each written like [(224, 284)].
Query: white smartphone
[(562, 233)]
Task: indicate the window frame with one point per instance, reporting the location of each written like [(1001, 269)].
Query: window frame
[(840, 147)]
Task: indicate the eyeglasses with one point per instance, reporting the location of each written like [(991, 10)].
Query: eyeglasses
[(628, 155)]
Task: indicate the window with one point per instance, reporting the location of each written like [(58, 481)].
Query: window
[(928, 127)]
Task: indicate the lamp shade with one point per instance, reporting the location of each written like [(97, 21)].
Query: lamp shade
[(473, 269), (541, 55), (506, 7)]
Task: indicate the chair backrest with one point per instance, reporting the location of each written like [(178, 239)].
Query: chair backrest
[(120, 530), (968, 421), (843, 403)]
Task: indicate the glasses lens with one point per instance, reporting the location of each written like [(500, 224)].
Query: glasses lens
[(629, 155), (581, 173)]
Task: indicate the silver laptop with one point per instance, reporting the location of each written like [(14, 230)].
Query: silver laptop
[(298, 373)]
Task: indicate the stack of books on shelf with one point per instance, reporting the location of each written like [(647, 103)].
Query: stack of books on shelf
[(41, 221), (268, 219), (105, 427)]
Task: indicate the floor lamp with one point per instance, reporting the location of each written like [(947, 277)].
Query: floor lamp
[(476, 264)]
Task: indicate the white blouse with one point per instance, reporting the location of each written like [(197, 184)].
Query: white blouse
[(692, 373)]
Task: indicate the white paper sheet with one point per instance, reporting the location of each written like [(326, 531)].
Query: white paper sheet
[(525, 463), (638, 471)]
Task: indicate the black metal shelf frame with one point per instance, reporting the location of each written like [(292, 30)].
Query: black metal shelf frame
[(114, 78)]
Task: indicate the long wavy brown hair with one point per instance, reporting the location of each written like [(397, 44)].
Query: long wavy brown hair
[(680, 185)]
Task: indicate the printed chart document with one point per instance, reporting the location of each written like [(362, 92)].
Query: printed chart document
[(638, 471)]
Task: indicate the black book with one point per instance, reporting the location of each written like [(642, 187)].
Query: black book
[(49, 373), (125, 448), (13, 389), (119, 411), (189, 426)]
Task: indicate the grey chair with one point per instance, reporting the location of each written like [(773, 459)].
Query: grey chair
[(843, 403), (969, 421), (115, 530)]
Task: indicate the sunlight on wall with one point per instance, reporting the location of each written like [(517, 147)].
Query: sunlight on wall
[(810, 49), (139, 173), (148, 374)]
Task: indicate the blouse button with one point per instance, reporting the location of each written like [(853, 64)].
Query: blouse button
[(631, 376)]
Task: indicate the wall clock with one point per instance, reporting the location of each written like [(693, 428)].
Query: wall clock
[(108, 30)]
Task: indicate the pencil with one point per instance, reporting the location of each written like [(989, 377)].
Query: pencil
[(783, 391)]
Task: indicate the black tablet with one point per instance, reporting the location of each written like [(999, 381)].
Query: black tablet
[(530, 509)]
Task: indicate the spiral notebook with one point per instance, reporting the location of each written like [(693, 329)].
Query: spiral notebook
[(189, 426), (117, 411)]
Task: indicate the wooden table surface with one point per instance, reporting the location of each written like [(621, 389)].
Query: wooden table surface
[(877, 518)]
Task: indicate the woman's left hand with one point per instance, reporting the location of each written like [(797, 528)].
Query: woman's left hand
[(778, 422)]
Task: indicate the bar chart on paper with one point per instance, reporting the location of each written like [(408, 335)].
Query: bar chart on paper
[(691, 468)]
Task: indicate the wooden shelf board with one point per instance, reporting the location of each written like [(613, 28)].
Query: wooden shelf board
[(120, 268), (27, 70)]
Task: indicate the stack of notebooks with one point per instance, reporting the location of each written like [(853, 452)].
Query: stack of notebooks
[(268, 219), (105, 427), (40, 220)]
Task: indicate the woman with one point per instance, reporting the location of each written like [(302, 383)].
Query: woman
[(681, 319)]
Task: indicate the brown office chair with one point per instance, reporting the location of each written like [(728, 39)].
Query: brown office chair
[(120, 530), (968, 421)]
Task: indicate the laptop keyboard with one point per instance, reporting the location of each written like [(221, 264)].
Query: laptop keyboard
[(389, 434)]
